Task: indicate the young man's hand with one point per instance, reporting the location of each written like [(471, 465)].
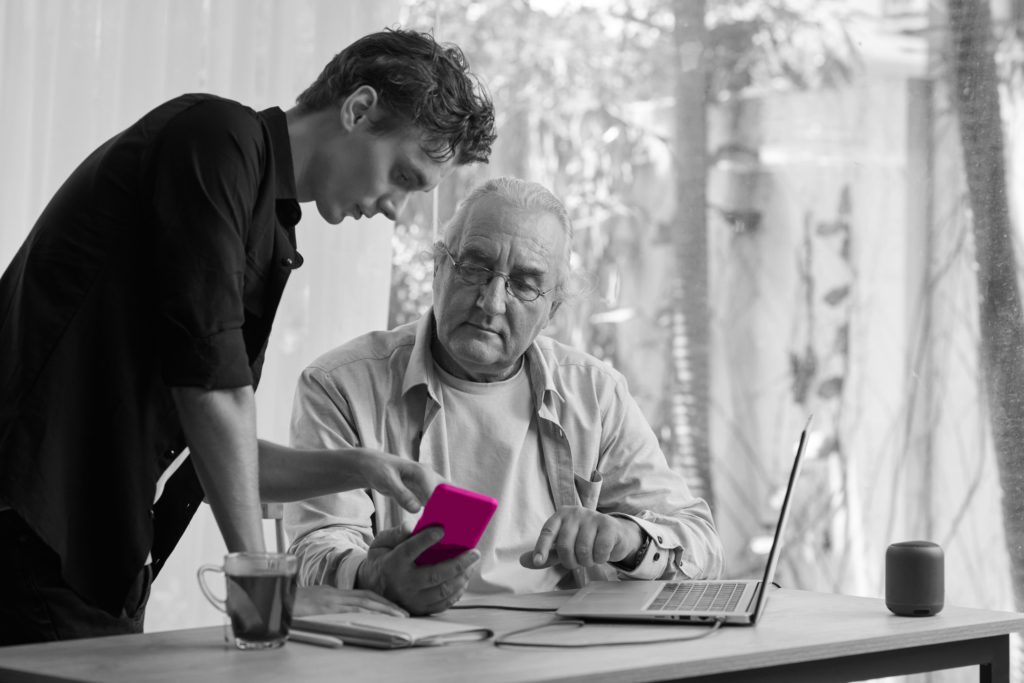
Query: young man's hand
[(389, 569), (408, 482), (578, 537)]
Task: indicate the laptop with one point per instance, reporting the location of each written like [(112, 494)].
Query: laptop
[(693, 601)]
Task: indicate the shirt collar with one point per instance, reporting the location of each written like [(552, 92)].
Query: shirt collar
[(284, 171), (277, 126), (420, 369), (541, 376)]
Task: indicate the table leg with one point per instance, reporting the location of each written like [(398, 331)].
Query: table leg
[(997, 670)]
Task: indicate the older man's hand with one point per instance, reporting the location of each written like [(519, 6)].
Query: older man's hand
[(577, 537), (389, 569)]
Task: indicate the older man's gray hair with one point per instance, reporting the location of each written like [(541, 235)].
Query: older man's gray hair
[(521, 194)]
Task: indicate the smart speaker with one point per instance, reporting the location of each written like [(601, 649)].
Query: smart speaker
[(914, 578)]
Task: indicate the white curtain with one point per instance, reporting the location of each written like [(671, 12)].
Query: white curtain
[(75, 72)]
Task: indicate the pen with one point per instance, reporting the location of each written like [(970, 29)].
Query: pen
[(315, 639)]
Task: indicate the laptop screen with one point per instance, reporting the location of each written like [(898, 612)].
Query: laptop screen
[(773, 555)]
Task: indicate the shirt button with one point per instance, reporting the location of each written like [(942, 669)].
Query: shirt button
[(293, 262), (659, 539), (657, 556)]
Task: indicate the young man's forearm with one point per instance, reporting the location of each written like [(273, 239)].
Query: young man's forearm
[(291, 474), (220, 429)]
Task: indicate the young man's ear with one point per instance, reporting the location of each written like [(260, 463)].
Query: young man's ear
[(358, 107)]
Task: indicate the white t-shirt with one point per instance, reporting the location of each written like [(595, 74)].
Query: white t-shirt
[(494, 449)]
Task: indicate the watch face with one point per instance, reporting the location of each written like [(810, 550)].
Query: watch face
[(639, 557)]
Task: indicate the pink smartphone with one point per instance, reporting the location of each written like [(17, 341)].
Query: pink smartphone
[(463, 514)]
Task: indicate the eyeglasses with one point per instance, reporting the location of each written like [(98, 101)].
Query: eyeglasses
[(472, 274)]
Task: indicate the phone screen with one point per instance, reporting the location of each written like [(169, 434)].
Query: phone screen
[(463, 514)]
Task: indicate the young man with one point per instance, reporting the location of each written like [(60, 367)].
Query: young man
[(133, 323), (477, 393)]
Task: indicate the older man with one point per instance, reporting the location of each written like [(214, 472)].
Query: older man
[(473, 391)]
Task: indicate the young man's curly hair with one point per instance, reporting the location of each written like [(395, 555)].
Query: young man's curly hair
[(419, 82)]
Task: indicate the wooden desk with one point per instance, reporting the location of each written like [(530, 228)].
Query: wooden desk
[(803, 636)]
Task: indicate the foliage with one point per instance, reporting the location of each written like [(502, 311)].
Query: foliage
[(578, 89), (778, 44), (564, 80), (411, 273), (1009, 56)]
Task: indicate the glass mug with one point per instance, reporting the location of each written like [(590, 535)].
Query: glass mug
[(260, 596)]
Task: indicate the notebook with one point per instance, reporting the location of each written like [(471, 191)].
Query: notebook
[(388, 632), (694, 601)]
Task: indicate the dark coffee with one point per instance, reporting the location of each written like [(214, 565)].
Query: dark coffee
[(260, 605)]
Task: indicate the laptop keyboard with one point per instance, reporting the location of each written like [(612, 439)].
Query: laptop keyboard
[(698, 596)]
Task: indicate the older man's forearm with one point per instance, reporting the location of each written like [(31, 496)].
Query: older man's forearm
[(329, 557)]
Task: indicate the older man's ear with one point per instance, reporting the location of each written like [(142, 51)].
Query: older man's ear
[(554, 307)]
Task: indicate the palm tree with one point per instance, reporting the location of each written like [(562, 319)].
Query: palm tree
[(976, 98), (689, 390)]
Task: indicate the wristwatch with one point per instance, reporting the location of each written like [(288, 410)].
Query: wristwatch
[(631, 562)]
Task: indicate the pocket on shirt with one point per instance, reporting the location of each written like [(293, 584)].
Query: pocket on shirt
[(588, 491)]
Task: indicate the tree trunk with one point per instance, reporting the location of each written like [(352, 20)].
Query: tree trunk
[(690, 320), (976, 98)]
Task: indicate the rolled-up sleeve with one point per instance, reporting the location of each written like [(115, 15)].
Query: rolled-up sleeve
[(205, 182), (638, 483), (331, 533)]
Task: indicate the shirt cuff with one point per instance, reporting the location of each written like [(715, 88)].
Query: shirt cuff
[(681, 558), (345, 576), (656, 557), (218, 361)]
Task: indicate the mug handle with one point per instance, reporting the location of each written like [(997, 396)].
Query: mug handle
[(214, 600)]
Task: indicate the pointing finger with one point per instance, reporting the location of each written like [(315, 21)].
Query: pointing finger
[(526, 560), (421, 482), (407, 488), (545, 540)]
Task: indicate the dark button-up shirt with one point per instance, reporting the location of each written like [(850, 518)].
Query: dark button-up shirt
[(159, 263)]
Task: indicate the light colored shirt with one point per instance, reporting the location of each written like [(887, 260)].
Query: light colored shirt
[(382, 391)]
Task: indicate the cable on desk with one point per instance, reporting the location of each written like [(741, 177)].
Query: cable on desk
[(511, 608), (504, 639)]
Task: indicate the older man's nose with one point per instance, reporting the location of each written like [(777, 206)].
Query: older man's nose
[(493, 295)]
